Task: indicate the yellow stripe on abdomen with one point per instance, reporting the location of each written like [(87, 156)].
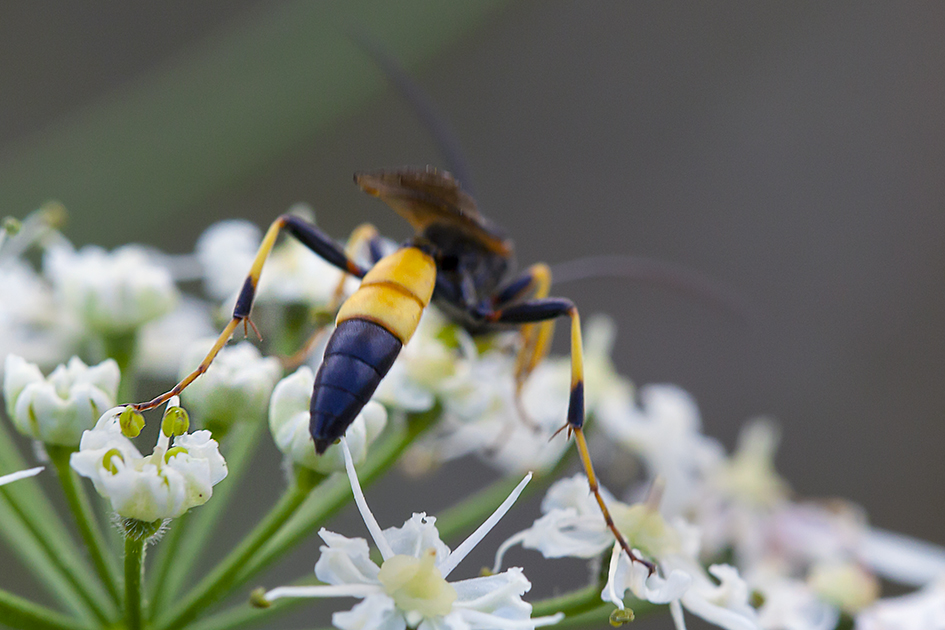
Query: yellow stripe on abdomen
[(394, 292)]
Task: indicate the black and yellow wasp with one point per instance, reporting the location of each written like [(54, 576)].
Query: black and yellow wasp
[(458, 260)]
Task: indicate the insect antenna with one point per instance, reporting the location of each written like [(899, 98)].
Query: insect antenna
[(443, 135), (658, 273)]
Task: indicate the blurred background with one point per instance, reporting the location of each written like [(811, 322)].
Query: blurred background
[(793, 151)]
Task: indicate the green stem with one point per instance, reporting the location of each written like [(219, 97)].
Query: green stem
[(122, 348), (245, 614), (573, 603), (165, 555), (85, 519), (600, 615), (16, 612), (33, 554), (38, 536), (180, 553), (336, 492), (134, 576), (222, 578)]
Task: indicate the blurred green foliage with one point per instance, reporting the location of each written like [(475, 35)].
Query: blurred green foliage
[(254, 90)]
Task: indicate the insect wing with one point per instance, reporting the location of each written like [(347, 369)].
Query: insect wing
[(433, 197)]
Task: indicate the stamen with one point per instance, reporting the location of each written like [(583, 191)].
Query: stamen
[(376, 533), (467, 545)]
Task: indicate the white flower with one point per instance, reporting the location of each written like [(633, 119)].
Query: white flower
[(164, 341), (846, 585), (571, 525), (665, 431), (477, 392), (922, 610), (30, 325), (293, 273), (409, 588), (791, 604), (58, 408), (162, 485), (901, 558), (110, 292), (289, 424), (416, 379), (226, 251), (20, 474), (235, 387)]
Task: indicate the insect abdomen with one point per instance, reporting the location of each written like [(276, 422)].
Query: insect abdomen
[(372, 326)]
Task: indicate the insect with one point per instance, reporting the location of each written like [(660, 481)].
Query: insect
[(458, 260)]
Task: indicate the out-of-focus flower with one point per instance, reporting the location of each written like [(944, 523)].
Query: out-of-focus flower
[(791, 604), (922, 610), (409, 588), (163, 342), (20, 474), (289, 423), (846, 585), (665, 431), (58, 408), (162, 485), (225, 251), (111, 293), (293, 273), (30, 324), (571, 526), (477, 392), (235, 387), (901, 558)]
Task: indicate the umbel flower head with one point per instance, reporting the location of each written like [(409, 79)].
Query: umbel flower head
[(111, 292), (571, 527), (162, 485), (410, 588), (58, 408)]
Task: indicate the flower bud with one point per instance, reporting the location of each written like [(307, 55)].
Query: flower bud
[(131, 421), (289, 425), (236, 386), (58, 408)]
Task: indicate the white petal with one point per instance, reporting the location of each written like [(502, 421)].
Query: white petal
[(921, 610), (21, 474), (416, 536), (345, 560), (902, 558), (467, 545), (376, 612)]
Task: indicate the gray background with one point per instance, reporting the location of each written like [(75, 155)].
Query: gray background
[(791, 150)]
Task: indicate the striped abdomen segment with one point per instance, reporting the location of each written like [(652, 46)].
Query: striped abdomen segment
[(372, 326), (358, 355)]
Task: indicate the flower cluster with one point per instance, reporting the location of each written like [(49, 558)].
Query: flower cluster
[(164, 484), (728, 540)]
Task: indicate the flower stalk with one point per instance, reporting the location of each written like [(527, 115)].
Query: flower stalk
[(89, 528), (225, 575), (134, 578), (18, 612)]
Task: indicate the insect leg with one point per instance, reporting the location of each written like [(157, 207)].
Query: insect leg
[(308, 235), (364, 234), (541, 310)]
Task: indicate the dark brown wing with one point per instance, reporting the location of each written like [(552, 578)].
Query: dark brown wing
[(429, 196)]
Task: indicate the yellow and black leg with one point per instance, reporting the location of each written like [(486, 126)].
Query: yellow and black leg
[(534, 312), (305, 233), (365, 235), (534, 283)]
